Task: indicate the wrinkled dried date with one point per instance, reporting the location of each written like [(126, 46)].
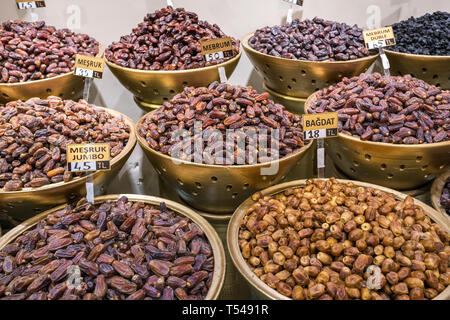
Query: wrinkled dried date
[(219, 108), (168, 39), (388, 109), (318, 241), (445, 197), (33, 51), (313, 40), (34, 135), (128, 265)]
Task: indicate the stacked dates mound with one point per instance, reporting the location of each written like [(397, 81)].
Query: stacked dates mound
[(34, 51), (216, 111), (168, 39), (34, 135), (390, 109), (313, 40), (328, 240), (115, 250)]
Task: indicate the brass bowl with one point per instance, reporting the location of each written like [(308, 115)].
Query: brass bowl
[(436, 192), (262, 290), (292, 104), (432, 69), (23, 204), (211, 234), (65, 86), (214, 188), (300, 78), (397, 166), (155, 87)]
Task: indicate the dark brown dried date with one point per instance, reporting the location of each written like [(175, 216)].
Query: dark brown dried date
[(217, 109), (122, 267), (388, 109), (167, 39), (34, 135), (33, 51), (313, 40)]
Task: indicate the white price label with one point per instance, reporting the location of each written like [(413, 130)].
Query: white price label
[(376, 44), (214, 56), (84, 72), (315, 134), (23, 5), (82, 166)]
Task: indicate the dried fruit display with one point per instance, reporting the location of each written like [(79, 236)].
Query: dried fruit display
[(445, 197), (220, 108), (34, 135), (328, 240), (114, 250), (34, 51), (313, 40), (426, 35), (167, 39), (389, 109)]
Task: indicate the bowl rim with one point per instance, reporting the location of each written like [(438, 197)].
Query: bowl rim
[(183, 210), (115, 66), (143, 143), (417, 56), (247, 48), (436, 191), (379, 144), (234, 226), (67, 74), (126, 150)]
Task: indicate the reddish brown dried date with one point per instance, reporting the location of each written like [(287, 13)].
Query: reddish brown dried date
[(45, 262)]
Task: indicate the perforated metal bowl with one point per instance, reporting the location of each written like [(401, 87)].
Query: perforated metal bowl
[(214, 188), (436, 192), (152, 88), (261, 289), (23, 204), (292, 104), (434, 70), (300, 78), (398, 166)]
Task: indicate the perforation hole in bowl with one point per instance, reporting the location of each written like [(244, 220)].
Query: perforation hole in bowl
[(424, 70), (157, 171), (289, 87), (267, 66), (194, 193), (143, 84), (166, 99), (294, 80), (281, 78), (163, 169), (172, 91), (155, 91), (352, 170), (426, 176), (48, 90), (355, 163), (181, 183), (437, 84), (402, 167), (368, 157), (229, 187), (419, 158), (338, 155), (424, 167), (245, 186), (313, 82), (390, 176), (435, 76), (61, 95), (383, 166), (264, 178), (303, 73), (73, 91), (5, 95), (198, 185), (185, 83), (442, 166), (234, 195), (214, 179), (139, 90)]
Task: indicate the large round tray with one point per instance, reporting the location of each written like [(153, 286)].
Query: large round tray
[(262, 290), (211, 234), (432, 69), (300, 78), (154, 87), (397, 166), (215, 188), (23, 204)]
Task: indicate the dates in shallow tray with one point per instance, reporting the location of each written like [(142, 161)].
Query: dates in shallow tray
[(388, 109), (168, 39), (34, 51), (34, 135), (122, 250)]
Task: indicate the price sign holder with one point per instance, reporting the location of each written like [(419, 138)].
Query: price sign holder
[(26, 4), (320, 126), (291, 9), (91, 68), (380, 38)]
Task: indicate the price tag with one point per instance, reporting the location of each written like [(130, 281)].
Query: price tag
[(24, 4), (89, 67), (88, 157), (379, 38), (216, 49), (320, 125)]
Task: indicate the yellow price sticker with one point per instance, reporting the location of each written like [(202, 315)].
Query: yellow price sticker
[(379, 38), (88, 157), (89, 67), (320, 125), (216, 49)]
